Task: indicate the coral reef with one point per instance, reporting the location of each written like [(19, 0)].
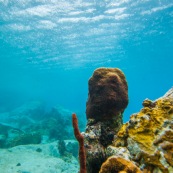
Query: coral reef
[(107, 99), (142, 145), (80, 138), (148, 135), (31, 118)]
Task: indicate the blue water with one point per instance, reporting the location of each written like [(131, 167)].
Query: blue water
[(50, 48)]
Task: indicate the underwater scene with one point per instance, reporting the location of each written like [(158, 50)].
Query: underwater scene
[(86, 86)]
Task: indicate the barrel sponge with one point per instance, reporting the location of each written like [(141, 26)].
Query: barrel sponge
[(119, 165), (108, 94)]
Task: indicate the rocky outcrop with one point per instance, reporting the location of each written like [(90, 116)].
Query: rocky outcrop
[(107, 100), (148, 136), (142, 145), (108, 95)]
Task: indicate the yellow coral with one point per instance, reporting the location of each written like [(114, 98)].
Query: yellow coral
[(119, 165), (168, 154), (149, 121), (150, 130), (122, 131)]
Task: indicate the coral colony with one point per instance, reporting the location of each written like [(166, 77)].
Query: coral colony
[(80, 138), (142, 145)]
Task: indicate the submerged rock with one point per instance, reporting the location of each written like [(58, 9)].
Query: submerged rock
[(30, 124), (148, 135), (108, 95), (142, 145), (25, 139), (107, 100)]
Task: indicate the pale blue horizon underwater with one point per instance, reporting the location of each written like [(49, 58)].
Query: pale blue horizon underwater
[(50, 48)]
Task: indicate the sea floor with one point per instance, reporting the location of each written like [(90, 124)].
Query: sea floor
[(37, 158)]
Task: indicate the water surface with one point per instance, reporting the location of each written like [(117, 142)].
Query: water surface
[(50, 48)]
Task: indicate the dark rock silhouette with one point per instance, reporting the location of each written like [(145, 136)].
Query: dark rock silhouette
[(108, 95), (107, 99)]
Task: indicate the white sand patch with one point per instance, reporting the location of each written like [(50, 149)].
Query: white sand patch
[(25, 159)]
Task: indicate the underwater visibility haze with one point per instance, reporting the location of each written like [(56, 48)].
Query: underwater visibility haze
[(50, 48)]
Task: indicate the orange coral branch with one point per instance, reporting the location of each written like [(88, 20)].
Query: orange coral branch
[(80, 138)]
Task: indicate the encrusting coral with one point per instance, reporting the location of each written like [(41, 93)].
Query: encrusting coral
[(142, 145), (149, 135), (80, 138), (119, 165)]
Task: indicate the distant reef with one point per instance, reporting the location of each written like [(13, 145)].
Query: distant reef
[(31, 124), (33, 140), (142, 145)]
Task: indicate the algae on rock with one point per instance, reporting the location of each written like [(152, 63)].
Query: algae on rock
[(142, 145), (148, 135), (107, 99)]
